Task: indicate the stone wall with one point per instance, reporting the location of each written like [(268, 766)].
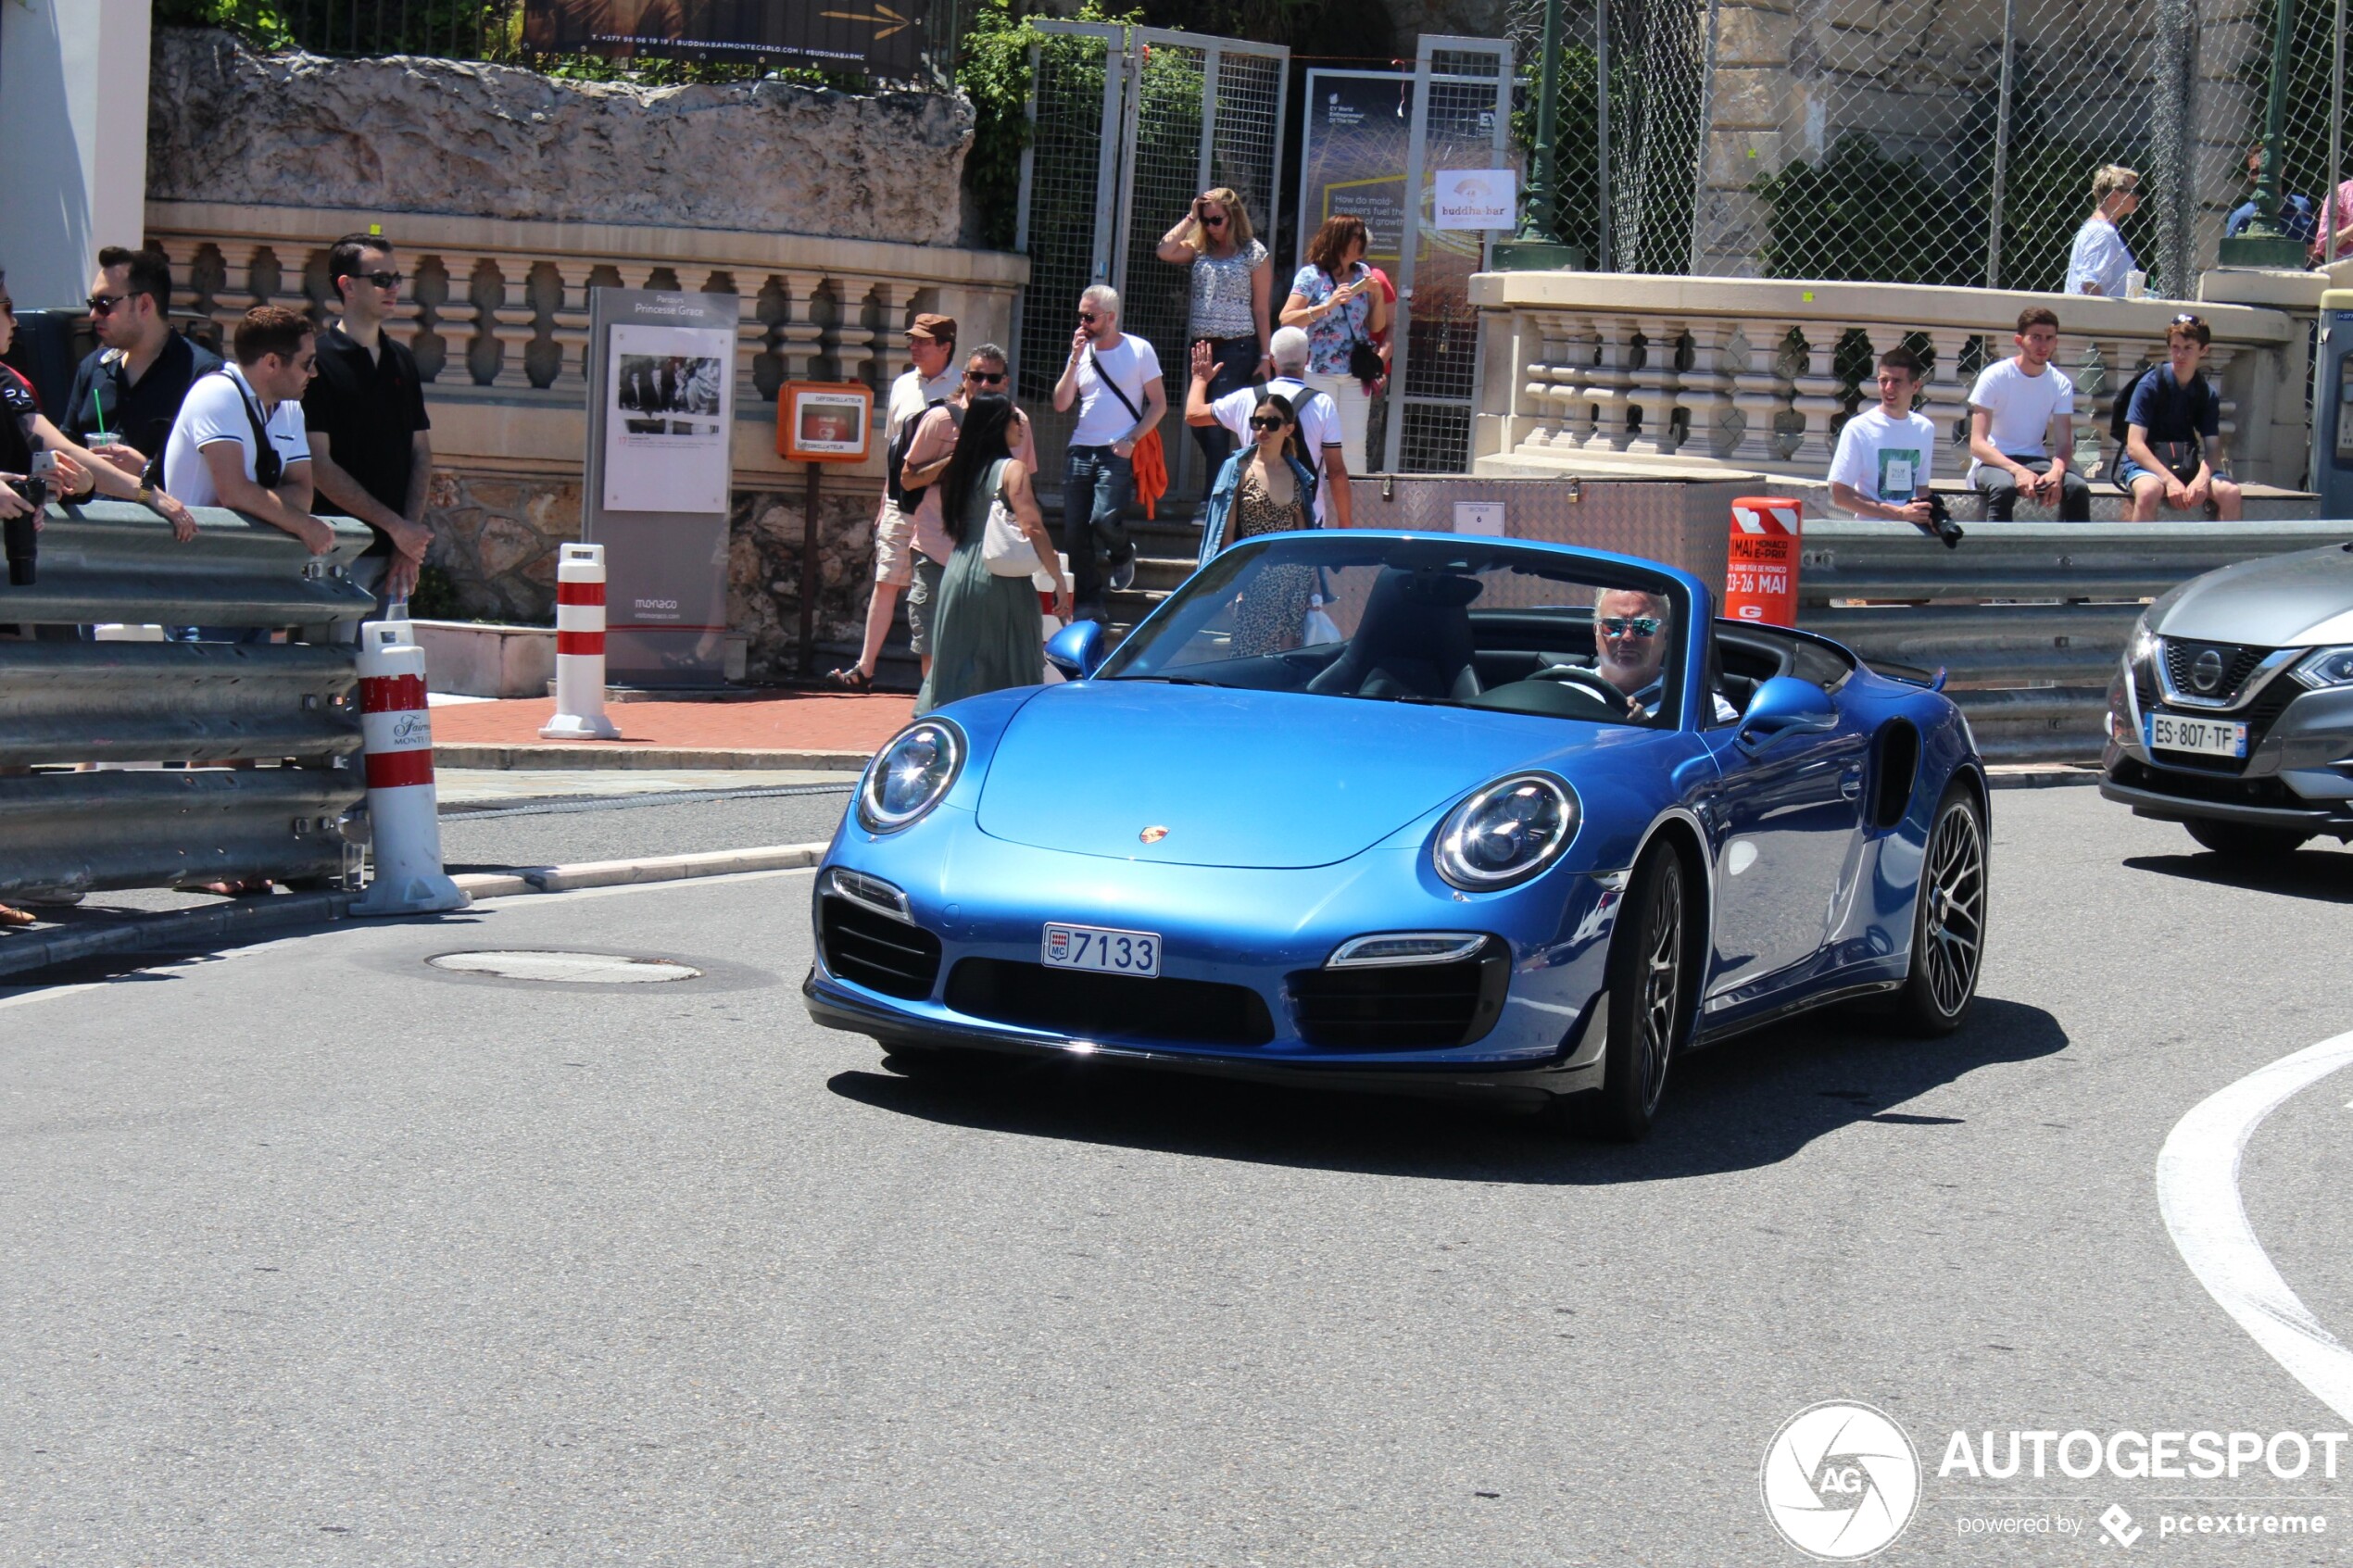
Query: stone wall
[(402, 134), (498, 535)]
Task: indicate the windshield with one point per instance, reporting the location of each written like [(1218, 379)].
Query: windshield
[(1463, 622)]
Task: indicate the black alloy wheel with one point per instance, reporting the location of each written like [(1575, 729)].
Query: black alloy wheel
[(2238, 841), (1948, 918), (1650, 990)]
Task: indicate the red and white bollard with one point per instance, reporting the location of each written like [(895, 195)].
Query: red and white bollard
[(580, 647), (403, 812)]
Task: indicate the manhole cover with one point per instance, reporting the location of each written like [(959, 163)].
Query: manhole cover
[(577, 969)]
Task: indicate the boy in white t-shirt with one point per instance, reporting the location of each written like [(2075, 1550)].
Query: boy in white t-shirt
[(1886, 453), (2016, 409)]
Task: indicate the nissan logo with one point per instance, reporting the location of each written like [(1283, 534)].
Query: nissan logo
[(2205, 672)]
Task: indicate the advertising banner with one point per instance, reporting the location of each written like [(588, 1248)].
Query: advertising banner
[(660, 467), (1359, 132), (886, 37)]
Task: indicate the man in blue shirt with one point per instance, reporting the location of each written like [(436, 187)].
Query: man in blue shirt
[(2173, 451), (2298, 218)]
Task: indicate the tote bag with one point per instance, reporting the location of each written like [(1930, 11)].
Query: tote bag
[(1005, 551)]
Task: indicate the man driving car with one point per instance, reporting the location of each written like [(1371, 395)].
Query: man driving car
[(1631, 631)]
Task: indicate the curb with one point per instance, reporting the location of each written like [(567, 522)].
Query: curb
[(244, 919), (2041, 775), (467, 754)]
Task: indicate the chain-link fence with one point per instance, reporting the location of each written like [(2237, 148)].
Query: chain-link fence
[(1918, 141)]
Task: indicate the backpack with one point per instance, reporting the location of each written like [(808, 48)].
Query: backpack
[(2120, 418), (895, 461)]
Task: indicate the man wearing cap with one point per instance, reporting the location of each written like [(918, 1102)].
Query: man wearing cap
[(931, 344)]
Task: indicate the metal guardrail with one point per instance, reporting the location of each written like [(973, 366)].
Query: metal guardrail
[(72, 702), (2027, 619)]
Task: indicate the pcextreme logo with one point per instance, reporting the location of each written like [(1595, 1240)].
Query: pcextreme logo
[(1840, 1481)]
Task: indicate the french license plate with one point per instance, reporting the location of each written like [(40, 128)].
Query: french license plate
[(2207, 738), (1106, 952)]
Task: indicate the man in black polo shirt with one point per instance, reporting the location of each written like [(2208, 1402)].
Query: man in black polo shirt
[(369, 455), (130, 386)]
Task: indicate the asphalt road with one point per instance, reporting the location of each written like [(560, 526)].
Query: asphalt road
[(312, 1253)]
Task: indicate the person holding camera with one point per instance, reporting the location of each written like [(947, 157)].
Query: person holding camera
[(1887, 454), (1335, 299), (1233, 277)]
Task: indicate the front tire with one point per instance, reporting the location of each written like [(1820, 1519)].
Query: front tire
[(2238, 841), (1948, 918), (1650, 980)]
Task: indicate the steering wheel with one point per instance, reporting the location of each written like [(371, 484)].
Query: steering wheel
[(1591, 679)]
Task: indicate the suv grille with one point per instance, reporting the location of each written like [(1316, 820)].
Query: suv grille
[(876, 952), (2181, 667), (1401, 1007), (1124, 1006)]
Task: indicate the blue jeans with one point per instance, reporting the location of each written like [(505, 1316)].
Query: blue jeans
[(1096, 486)]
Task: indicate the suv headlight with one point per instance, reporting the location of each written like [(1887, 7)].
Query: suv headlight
[(908, 777), (2142, 646), (1507, 833), (2325, 666)]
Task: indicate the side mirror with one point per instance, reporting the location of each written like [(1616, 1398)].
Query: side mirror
[(1076, 649), (1785, 705)]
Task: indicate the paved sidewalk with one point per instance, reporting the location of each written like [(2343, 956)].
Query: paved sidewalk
[(819, 730)]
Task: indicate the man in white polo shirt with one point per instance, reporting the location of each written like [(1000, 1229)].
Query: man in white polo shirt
[(239, 440)]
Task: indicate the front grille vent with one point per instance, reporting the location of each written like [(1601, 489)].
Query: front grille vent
[(1401, 1007), (876, 952), (2237, 662), (1109, 1007)]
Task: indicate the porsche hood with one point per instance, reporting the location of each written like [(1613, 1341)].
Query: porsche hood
[(1228, 777)]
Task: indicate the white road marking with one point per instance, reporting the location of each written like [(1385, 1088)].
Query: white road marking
[(2197, 1190)]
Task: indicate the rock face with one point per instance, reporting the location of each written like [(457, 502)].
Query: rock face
[(405, 135)]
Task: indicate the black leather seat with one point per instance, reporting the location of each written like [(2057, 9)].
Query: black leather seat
[(1413, 640)]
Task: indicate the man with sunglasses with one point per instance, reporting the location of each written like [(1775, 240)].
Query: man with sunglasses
[(370, 458), (1630, 634), (1113, 380), (928, 456), (129, 388)]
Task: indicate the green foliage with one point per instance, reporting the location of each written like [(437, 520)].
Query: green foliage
[(1861, 214), (435, 597), (992, 69), (263, 22)]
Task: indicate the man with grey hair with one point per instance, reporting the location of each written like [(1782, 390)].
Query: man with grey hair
[(1114, 380), (927, 455), (1319, 426)]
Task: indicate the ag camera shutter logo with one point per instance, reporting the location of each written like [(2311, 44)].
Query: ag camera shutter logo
[(1840, 1481)]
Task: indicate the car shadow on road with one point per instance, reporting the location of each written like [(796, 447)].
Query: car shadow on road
[(2320, 873), (1752, 1102)]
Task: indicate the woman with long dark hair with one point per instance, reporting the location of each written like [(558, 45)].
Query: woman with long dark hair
[(1265, 489), (989, 634)]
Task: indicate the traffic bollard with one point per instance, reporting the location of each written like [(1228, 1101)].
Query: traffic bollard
[(1760, 560), (580, 647), (403, 813)]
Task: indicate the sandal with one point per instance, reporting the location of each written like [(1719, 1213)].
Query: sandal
[(9, 915), (851, 679)]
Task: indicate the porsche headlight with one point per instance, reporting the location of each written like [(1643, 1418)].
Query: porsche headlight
[(1507, 833), (910, 775), (2325, 666)]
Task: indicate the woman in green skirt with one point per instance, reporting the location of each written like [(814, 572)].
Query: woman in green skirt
[(987, 632)]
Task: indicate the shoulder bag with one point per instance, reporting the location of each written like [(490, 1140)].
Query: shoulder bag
[(1005, 551)]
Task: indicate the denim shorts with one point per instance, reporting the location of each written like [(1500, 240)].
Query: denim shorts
[(2127, 471)]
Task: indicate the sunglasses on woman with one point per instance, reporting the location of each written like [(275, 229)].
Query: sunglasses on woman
[(1214, 220), (1630, 625), (1266, 422)]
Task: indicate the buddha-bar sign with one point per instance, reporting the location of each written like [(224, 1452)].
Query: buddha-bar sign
[(882, 37)]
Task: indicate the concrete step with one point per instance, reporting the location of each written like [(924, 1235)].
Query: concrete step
[(2264, 503)]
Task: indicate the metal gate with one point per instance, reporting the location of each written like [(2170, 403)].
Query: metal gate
[(1462, 108), (1128, 125)]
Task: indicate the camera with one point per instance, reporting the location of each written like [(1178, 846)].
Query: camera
[(21, 535), (1940, 523)]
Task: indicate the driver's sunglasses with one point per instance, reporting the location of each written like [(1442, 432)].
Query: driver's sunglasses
[(985, 378), (1630, 625)]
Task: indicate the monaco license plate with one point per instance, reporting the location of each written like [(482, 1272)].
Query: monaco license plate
[(1106, 952), (2207, 738)]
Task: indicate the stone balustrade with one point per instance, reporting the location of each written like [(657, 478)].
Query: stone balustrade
[(497, 311), (1612, 372)]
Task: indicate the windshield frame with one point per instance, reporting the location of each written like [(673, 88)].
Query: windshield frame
[(1688, 599)]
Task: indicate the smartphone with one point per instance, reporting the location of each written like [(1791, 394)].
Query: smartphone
[(44, 466)]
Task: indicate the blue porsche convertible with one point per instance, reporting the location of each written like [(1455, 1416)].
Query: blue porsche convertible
[(1383, 808)]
